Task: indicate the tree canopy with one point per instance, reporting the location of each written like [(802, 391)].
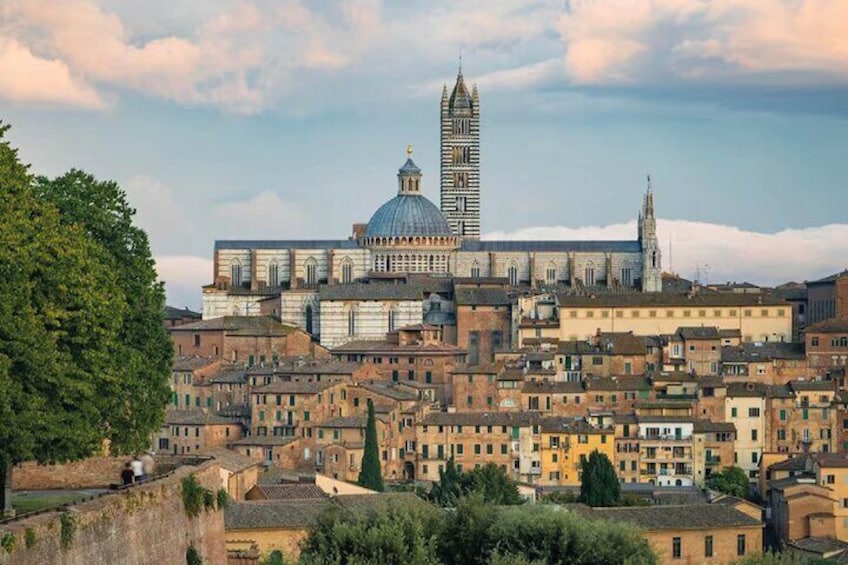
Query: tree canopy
[(371, 476), (599, 484), (473, 533), (489, 482), (69, 376), (731, 480)]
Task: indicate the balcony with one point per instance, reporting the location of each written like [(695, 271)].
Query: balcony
[(666, 437), (713, 460)]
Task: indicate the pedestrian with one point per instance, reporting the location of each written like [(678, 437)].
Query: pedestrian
[(127, 475), (138, 471), (147, 465)]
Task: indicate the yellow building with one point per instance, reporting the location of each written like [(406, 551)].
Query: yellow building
[(566, 442), (757, 317), (832, 472)]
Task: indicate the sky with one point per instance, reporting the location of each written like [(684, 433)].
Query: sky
[(236, 119)]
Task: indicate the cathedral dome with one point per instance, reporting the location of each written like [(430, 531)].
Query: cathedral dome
[(408, 215)]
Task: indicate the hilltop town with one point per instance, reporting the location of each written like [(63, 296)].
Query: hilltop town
[(527, 355)]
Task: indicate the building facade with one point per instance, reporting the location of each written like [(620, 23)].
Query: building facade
[(296, 281)]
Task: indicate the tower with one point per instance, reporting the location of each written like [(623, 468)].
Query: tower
[(460, 154), (651, 255)]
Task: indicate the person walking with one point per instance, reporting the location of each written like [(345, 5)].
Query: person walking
[(147, 465), (137, 469), (127, 475)]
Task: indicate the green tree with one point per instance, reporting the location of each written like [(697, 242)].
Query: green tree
[(371, 476), (448, 490), (493, 484), (58, 323), (63, 309), (599, 484), (134, 402), (731, 480), (397, 533)]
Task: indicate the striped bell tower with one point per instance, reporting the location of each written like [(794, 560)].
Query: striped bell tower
[(460, 153)]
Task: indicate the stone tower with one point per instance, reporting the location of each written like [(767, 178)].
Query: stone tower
[(651, 256), (460, 153)]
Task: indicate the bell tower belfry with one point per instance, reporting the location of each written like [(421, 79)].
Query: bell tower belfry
[(460, 158)]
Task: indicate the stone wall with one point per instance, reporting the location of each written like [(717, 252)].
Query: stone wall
[(94, 472), (144, 524)]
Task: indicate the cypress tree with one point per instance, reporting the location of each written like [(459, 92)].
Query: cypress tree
[(599, 484), (370, 476)]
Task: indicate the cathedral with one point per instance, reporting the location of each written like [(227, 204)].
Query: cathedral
[(397, 269)]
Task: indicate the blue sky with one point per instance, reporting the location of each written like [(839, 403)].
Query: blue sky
[(284, 120)]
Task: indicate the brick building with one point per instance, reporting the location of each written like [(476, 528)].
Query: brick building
[(247, 340), (483, 319)]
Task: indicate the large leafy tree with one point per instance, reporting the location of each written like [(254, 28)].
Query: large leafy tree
[(599, 484), (731, 480), (489, 483), (63, 312), (143, 349), (371, 476)]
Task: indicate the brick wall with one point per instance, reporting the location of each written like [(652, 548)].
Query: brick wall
[(145, 524), (88, 473)]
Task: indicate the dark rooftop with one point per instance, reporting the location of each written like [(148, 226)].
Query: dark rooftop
[(481, 297), (239, 325), (678, 517), (638, 299)]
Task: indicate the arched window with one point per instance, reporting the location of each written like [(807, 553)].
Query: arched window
[(589, 272), (236, 311), (512, 274), (235, 273), (311, 271), (654, 259), (550, 273), (347, 271), (273, 274), (308, 313), (475, 270), (351, 323)]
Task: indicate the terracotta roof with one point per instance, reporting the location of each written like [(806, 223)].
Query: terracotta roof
[(196, 418), (571, 425), (688, 333), (831, 459), (191, 363), (617, 383), (296, 491), (678, 517), (646, 299), (482, 419), (384, 346), (239, 325), (302, 513), (761, 351), (552, 387), (834, 325), (271, 440), (481, 297), (294, 387), (230, 460), (372, 291)]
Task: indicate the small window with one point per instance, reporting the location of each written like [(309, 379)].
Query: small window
[(708, 546), (677, 548), (740, 544)]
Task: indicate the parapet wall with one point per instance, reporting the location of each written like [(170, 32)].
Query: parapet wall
[(144, 524)]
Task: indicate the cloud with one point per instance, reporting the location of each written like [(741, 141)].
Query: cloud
[(184, 275), (25, 77), (264, 215), (724, 253), (753, 41)]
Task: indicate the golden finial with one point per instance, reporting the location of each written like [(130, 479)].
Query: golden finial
[(409, 150)]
